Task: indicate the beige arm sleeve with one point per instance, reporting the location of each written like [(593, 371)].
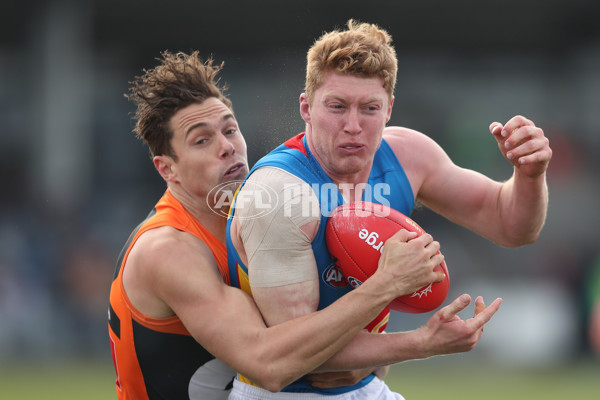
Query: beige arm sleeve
[(279, 252)]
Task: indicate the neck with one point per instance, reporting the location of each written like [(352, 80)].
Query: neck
[(215, 221)]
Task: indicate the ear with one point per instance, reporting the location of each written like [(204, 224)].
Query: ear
[(389, 111), (166, 167), (305, 108)]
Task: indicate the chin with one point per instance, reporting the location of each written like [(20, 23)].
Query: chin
[(352, 167), (240, 176), (229, 185)]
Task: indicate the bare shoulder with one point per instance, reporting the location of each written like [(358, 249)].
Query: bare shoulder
[(155, 247), (419, 154), (405, 141), (399, 132), (163, 265), (274, 174)]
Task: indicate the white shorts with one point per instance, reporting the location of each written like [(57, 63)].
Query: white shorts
[(374, 390)]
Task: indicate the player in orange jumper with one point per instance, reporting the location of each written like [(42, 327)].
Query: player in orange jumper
[(175, 325)]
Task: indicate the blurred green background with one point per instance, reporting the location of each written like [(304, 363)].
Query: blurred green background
[(415, 380), (76, 181)]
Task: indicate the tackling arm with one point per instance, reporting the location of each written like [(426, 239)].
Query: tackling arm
[(444, 333), (174, 273)]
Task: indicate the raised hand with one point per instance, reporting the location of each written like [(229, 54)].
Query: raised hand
[(523, 144), (447, 333)]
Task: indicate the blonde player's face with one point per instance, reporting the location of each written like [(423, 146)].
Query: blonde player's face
[(345, 124), (209, 145)]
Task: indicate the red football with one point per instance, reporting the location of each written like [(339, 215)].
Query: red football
[(355, 236)]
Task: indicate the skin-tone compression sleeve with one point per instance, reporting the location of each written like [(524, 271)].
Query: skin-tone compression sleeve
[(284, 233)]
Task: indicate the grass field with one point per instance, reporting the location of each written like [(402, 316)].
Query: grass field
[(422, 380)]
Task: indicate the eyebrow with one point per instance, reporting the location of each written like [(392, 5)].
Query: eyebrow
[(343, 100), (201, 125)]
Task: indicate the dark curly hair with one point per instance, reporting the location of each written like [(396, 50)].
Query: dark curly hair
[(178, 81)]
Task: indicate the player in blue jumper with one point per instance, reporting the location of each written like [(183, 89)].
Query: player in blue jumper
[(277, 250)]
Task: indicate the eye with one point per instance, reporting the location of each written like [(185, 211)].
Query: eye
[(372, 107), (201, 141), (231, 131), (335, 106)]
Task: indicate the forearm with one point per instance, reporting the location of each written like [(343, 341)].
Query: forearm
[(368, 350), (523, 203), (289, 350), (444, 333)]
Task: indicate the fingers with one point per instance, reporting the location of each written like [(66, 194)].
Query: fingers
[(440, 276), (517, 130), (479, 307), (426, 241), (455, 307), (482, 314), (403, 235), (435, 257), (522, 143), (515, 123), (412, 261), (496, 128), (482, 317)]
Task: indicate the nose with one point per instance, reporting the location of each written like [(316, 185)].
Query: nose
[(227, 149), (353, 121)]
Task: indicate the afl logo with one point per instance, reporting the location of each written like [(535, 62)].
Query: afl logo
[(354, 282), (262, 198), (334, 277)]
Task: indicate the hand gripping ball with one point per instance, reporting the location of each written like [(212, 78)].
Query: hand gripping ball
[(356, 233)]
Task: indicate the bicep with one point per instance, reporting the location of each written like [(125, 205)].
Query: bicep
[(464, 196), (188, 280)]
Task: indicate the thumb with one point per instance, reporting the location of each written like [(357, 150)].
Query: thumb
[(495, 128), (455, 307)]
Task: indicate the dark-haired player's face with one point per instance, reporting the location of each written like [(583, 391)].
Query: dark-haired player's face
[(209, 145)]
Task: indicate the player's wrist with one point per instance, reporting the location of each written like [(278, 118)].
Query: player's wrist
[(422, 343), (384, 285)]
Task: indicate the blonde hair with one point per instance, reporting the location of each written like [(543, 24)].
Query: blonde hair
[(364, 49)]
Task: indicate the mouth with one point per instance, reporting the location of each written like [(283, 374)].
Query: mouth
[(238, 167), (351, 147)]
